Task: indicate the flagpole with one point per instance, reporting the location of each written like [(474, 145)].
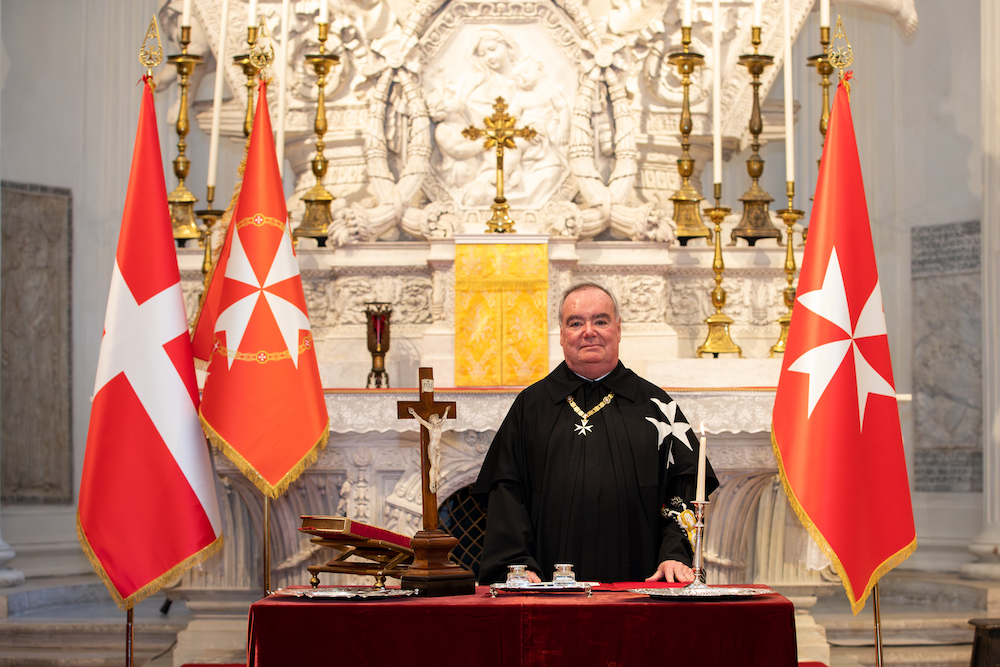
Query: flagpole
[(267, 545), (128, 638), (878, 629)]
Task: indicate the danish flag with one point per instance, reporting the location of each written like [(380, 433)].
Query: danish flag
[(262, 403), (148, 506), (835, 427)]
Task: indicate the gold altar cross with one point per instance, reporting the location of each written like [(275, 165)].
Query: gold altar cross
[(499, 133)]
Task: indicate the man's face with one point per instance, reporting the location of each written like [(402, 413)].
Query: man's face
[(589, 334)]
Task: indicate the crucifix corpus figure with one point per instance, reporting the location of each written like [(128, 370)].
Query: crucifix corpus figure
[(432, 572), (434, 427), (499, 133)]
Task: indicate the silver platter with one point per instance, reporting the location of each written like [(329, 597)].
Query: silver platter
[(334, 593), (543, 587), (701, 592)]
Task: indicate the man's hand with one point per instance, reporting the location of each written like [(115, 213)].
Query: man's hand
[(534, 578), (672, 570)]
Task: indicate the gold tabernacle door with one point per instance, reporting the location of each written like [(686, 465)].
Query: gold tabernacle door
[(384, 552)]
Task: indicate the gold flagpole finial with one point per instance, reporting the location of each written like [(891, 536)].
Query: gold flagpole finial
[(150, 57), (841, 54), (262, 53)]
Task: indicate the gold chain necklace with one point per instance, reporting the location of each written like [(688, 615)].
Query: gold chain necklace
[(583, 428)]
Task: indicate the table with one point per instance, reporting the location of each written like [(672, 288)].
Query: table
[(614, 627)]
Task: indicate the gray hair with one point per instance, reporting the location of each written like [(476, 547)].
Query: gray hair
[(587, 285)]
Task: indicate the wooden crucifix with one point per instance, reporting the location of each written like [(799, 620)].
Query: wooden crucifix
[(432, 572), (499, 133)]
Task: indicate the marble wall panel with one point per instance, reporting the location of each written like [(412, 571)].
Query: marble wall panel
[(36, 459), (947, 358)]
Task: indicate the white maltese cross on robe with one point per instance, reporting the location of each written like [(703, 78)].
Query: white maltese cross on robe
[(673, 426)]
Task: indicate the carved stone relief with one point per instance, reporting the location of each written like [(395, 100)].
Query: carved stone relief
[(37, 454)]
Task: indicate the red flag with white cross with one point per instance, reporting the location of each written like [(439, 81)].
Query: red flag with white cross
[(148, 506), (835, 426), (262, 404)]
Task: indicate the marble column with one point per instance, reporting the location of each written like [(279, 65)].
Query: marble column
[(986, 546), (8, 576)]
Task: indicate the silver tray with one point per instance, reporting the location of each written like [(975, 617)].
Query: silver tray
[(701, 592), (543, 587), (335, 593)]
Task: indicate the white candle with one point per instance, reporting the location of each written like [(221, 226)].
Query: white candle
[(686, 14), (324, 12), (699, 495), (789, 112), (757, 11), (824, 13), (279, 142), (186, 14), (716, 91), (252, 14), (220, 80)]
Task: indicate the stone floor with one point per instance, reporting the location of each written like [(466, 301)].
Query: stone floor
[(71, 622)]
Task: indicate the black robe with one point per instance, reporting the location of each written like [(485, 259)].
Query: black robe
[(605, 502)]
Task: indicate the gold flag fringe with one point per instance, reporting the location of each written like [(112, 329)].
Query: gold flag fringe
[(245, 467), (156, 584), (857, 603)]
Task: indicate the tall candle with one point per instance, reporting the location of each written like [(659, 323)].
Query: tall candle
[(279, 142), (757, 11), (716, 92), (699, 495), (686, 14), (186, 14), (824, 13), (324, 12), (789, 112), (220, 80), (252, 14)]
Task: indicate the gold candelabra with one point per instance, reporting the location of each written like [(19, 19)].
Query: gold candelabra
[(499, 133), (825, 68), (687, 201), (790, 216), (181, 200), (718, 341), (316, 221), (209, 216), (250, 71), (756, 221)]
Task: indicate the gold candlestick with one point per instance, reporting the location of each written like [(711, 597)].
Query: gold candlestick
[(756, 221), (687, 201), (181, 200), (316, 221), (499, 133), (250, 71), (825, 68), (718, 341), (790, 216), (209, 217)]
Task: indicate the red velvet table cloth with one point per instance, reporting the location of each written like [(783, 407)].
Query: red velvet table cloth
[(613, 628)]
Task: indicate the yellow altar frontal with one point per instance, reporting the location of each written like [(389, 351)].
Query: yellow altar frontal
[(501, 328)]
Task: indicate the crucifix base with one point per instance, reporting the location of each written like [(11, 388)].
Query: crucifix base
[(432, 573)]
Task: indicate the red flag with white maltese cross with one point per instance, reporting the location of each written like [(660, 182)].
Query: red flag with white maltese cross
[(835, 427), (148, 508), (262, 403)]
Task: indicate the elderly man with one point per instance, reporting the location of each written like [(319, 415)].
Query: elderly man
[(593, 465)]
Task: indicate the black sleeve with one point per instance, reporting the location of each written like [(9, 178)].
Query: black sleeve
[(510, 538), (502, 487), (674, 542)]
